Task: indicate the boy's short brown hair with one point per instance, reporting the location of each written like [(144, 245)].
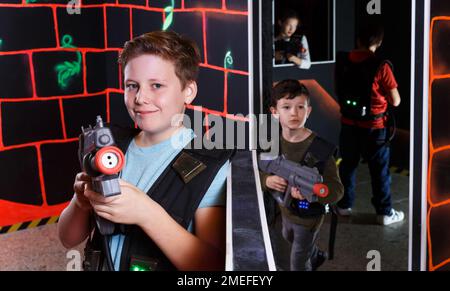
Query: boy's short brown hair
[(370, 34), (170, 46), (289, 89)]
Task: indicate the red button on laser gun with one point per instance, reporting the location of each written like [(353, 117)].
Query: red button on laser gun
[(109, 160), (321, 190)]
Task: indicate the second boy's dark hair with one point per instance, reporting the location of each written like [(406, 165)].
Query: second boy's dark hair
[(289, 13), (289, 89), (371, 34)]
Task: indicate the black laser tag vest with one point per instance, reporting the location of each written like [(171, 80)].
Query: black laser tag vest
[(317, 154), (179, 190), (354, 86), (294, 46)]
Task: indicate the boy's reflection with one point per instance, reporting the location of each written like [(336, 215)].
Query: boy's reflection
[(291, 47)]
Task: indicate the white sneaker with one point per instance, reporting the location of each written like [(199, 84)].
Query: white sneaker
[(343, 211), (396, 216)]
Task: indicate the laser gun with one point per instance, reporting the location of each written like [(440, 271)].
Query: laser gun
[(102, 161), (307, 180)]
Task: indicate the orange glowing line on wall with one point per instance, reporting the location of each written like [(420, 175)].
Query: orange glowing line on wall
[(205, 48), (73, 96), (108, 114), (225, 70), (37, 143), (63, 124), (55, 23), (41, 175), (155, 9), (33, 79), (432, 150), (1, 129), (131, 23), (83, 54), (39, 50)]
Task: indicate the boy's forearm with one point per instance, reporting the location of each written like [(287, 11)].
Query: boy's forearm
[(186, 251), (73, 225), (394, 97), (263, 178), (296, 60)]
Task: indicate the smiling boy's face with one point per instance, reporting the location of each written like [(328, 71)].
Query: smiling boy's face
[(292, 113), (154, 94)]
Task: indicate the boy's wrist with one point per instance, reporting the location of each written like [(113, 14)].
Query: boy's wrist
[(80, 205), (150, 213)]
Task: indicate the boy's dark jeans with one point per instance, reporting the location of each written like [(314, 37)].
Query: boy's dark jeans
[(304, 251), (370, 144)]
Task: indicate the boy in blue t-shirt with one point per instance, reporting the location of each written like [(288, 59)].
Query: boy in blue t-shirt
[(160, 70)]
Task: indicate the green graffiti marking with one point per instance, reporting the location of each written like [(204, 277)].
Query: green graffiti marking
[(169, 16), (67, 70), (228, 60)]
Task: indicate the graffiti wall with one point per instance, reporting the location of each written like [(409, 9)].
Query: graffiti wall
[(58, 70)]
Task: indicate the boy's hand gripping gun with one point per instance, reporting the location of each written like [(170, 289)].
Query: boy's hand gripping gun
[(307, 180), (102, 161)]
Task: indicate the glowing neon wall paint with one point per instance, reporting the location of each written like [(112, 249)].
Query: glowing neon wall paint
[(46, 156), (169, 17), (438, 188), (67, 70), (437, 76), (228, 61)]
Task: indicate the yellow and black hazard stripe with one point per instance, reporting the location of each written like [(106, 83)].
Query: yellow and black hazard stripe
[(28, 224)]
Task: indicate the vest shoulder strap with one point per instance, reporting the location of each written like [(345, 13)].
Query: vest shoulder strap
[(123, 135), (319, 151)]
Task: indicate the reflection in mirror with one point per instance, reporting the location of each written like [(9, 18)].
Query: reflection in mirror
[(304, 32)]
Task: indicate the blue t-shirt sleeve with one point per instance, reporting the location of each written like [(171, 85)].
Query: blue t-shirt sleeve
[(216, 194)]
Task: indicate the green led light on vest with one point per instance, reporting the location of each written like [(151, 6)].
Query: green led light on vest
[(348, 102), (354, 103), (137, 268)]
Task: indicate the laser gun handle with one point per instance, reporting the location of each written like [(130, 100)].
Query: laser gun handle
[(287, 201), (105, 226), (107, 186)]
